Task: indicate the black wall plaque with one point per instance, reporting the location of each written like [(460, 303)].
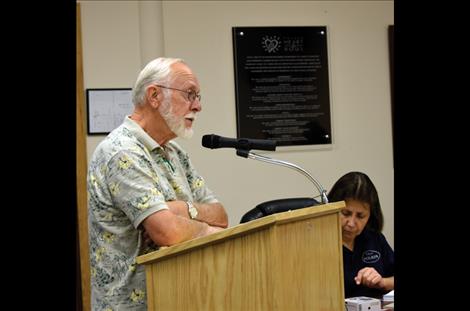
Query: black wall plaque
[(282, 84)]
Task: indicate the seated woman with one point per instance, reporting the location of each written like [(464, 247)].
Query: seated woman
[(368, 259)]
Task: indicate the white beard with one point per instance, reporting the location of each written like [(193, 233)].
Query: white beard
[(175, 123)]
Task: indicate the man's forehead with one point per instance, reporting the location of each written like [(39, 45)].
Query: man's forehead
[(183, 74), (181, 69)]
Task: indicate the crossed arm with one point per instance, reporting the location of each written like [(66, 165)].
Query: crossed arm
[(172, 226)]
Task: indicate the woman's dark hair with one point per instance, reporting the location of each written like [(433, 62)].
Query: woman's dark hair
[(358, 186)]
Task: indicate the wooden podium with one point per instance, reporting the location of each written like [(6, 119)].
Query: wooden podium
[(286, 261)]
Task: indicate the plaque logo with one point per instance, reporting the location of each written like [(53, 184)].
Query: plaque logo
[(271, 44)]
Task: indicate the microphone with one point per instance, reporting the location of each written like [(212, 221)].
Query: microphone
[(214, 141), (243, 146)]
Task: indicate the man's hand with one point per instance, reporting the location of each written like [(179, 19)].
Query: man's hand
[(147, 240), (213, 214)]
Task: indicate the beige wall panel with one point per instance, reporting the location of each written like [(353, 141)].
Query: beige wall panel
[(200, 32)]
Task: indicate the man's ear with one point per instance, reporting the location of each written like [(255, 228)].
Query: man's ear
[(153, 95)]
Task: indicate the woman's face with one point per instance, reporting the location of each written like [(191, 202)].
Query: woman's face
[(354, 218)]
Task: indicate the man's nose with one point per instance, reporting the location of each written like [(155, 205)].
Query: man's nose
[(196, 105)]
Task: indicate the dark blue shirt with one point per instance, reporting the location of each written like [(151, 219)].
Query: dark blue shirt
[(370, 250)]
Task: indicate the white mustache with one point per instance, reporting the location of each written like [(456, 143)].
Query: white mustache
[(191, 115)]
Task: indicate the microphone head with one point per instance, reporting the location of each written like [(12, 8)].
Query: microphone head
[(210, 141)]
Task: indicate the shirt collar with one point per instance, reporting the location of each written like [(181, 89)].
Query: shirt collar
[(140, 134)]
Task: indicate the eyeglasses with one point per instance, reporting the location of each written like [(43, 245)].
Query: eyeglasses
[(191, 94)]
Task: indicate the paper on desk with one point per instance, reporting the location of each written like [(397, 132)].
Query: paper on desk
[(390, 296)]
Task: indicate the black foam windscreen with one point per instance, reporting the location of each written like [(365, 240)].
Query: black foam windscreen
[(210, 141)]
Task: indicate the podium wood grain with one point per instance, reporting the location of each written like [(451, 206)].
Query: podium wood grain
[(285, 261)]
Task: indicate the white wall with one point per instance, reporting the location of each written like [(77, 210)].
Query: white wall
[(119, 37)]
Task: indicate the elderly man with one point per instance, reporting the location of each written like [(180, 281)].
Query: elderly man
[(143, 189)]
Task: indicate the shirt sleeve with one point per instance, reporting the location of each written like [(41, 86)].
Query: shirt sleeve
[(134, 186), (388, 257)]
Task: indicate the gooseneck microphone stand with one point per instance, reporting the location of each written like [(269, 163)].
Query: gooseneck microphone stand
[(254, 156)]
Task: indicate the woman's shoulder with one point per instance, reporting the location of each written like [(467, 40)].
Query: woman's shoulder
[(369, 236)]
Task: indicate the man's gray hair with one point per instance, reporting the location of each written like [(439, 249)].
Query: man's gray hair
[(155, 72)]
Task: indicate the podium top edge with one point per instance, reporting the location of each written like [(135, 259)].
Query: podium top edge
[(242, 229)]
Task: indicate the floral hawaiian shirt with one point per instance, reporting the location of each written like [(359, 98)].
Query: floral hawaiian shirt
[(131, 177)]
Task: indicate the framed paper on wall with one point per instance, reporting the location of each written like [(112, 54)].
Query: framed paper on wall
[(106, 109), (282, 84)]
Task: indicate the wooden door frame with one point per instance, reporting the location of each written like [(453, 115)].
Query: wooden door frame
[(81, 158)]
